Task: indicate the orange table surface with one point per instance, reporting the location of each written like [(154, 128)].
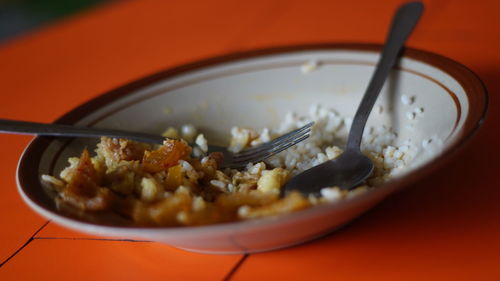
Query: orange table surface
[(444, 227)]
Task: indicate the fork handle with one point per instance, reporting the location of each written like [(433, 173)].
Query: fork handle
[(42, 129), (402, 25)]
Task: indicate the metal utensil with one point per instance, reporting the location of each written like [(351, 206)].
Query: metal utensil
[(231, 160), (352, 167)]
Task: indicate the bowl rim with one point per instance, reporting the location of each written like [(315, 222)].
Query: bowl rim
[(32, 192)]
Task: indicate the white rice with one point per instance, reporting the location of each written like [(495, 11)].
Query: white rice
[(326, 143)]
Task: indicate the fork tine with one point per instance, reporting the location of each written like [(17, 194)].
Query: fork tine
[(271, 146), (266, 154), (279, 149), (277, 141), (305, 127), (266, 149), (257, 157)]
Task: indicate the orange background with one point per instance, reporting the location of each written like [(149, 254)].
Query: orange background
[(445, 227)]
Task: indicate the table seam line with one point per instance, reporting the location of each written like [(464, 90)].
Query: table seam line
[(90, 239), (24, 245), (235, 268)]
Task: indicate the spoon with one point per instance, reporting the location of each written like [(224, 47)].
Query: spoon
[(352, 167)]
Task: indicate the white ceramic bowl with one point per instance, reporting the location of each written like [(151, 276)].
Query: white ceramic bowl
[(256, 89)]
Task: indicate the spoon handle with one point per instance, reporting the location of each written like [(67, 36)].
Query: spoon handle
[(402, 25), (41, 129)]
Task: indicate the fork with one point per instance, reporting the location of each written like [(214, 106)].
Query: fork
[(352, 167), (231, 160)]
